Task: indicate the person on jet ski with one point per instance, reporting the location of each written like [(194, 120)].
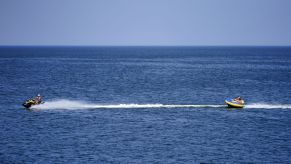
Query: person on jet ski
[(38, 99), (238, 99)]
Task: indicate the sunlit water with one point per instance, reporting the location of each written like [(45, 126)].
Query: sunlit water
[(145, 104)]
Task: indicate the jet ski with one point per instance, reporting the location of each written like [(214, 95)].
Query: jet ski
[(34, 101), (235, 103), (31, 102)]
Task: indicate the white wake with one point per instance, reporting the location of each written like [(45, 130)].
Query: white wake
[(71, 105), (268, 106)]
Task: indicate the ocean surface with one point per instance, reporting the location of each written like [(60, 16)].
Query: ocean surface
[(145, 105)]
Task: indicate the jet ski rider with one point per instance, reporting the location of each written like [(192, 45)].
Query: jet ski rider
[(238, 99), (38, 99)]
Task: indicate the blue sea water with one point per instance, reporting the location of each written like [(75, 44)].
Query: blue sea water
[(145, 104)]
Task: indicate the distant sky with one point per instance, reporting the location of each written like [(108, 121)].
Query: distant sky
[(145, 22)]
